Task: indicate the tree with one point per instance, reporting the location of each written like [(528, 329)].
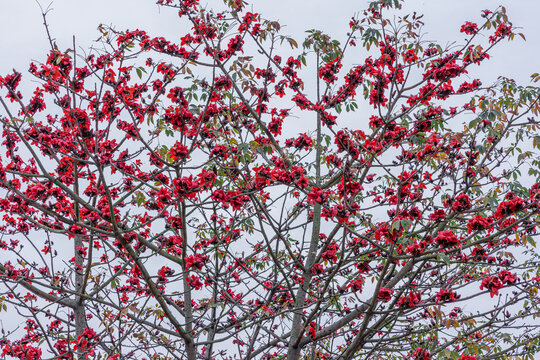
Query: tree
[(227, 198)]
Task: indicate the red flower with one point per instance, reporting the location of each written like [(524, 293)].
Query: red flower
[(511, 206), (385, 294), (165, 272), (356, 285), (302, 102), (507, 277), (469, 28), (22, 351), (86, 341), (195, 282), (331, 252), (312, 330), (410, 300), (317, 269), (446, 295), (478, 223), (494, 283), (447, 239), (414, 249), (179, 151), (196, 261), (222, 83), (467, 87), (409, 56), (437, 215), (501, 31), (303, 142), (461, 203), (316, 195), (421, 354), (328, 71)]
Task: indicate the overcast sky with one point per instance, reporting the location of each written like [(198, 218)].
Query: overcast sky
[(23, 36)]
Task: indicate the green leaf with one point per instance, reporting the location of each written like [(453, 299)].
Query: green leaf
[(405, 224), (536, 141), (292, 42), (443, 257), (531, 240)]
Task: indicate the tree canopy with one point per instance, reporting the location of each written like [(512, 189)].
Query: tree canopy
[(235, 193)]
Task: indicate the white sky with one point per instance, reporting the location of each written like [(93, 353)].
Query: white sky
[(23, 36)]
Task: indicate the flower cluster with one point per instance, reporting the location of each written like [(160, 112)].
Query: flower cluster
[(495, 282), (447, 239)]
